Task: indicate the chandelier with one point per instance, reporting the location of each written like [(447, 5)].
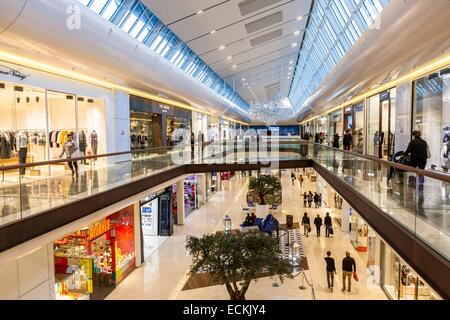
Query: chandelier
[(272, 111)]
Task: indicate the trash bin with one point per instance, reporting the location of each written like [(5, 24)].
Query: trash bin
[(289, 220)]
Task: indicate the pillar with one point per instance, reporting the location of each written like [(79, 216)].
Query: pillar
[(180, 202), (137, 234), (346, 215)]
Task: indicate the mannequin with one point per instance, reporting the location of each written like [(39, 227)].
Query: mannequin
[(94, 142), (82, 142), (445, 149), (22, 148)]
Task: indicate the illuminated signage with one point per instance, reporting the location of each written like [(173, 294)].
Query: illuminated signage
[(99, 228)]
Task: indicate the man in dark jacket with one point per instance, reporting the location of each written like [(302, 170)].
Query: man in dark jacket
[(418, 150), (328, 225), (331, 270), (318, 224), (348, 267), (347, 140)]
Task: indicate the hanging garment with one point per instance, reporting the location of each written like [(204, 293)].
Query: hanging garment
[(22, 159), (5, 146), (94, 142), (22, 140)]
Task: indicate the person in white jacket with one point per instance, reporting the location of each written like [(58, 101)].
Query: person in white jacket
[(69, 149)]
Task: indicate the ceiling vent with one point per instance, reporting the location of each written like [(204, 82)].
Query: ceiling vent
[(250, 6), (264, 22), (266, 37)]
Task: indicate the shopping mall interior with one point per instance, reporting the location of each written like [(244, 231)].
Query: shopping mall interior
[(225, 150)]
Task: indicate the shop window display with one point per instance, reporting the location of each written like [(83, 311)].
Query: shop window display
[(90, 262), (400, 281), (141, 130), (374, 135), (358, 128), (432, 116), (336, 126), (91, 126), (174, 123), (23, 128)]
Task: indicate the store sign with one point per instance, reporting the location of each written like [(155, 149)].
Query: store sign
[(149, 218), (99, 228), (164, 108)]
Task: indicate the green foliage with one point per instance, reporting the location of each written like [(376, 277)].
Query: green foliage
[(265, 186), (235, 260)]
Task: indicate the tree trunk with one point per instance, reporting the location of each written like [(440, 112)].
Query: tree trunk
[(261, 199), (243, 290), (231, 292)]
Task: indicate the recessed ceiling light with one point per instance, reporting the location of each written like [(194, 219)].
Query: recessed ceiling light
[(296, 33), (222, 47), (229, 58), (234, 66), (290, 68), (299, 18), (243, 79), (200, 12), (294, 44), (291, 62), (213, 31)]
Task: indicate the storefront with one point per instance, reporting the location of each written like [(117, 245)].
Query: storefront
[(395, 277), (212, 184), (381, 124), (336, 126), (154, 125), (35, 123), (358, 127), (90, 262), (156, 221), (200, 126), (400, 281), (432, 115)]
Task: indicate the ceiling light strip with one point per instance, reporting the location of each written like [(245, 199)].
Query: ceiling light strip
[(39, 66), (428, 68)]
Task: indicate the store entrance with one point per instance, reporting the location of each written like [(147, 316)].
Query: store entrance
[(157, 139)]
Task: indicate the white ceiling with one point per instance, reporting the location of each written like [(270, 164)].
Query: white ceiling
[(257, 35)]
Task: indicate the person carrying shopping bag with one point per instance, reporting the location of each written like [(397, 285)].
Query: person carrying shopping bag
[(70, 148), (306, 224)]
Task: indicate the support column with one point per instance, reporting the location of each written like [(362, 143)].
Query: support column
[(180, 202), (346, 215), (138, 245)]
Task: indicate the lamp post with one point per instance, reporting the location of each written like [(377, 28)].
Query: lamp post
[(227, 224)]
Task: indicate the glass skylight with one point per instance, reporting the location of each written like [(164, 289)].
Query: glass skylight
[(333, 28), (134, 18)]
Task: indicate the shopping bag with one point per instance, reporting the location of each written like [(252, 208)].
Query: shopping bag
[(77, 154), (331, 231), (355, 276), (309, 228)]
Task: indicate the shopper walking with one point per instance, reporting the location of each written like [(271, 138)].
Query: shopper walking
[(69, 149), (331, 270), (306, 224), (305, 199), (328, 225), (318, 224), (320, 200), (347, 140), (316, 200), (348, 268), (300, 180), (336, 141), (310, 199), (292, 178), (419, 151)]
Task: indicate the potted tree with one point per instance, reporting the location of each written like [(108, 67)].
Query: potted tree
[(236, 260), (265, 187)]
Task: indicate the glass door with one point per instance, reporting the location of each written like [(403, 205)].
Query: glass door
[(373, 126)]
